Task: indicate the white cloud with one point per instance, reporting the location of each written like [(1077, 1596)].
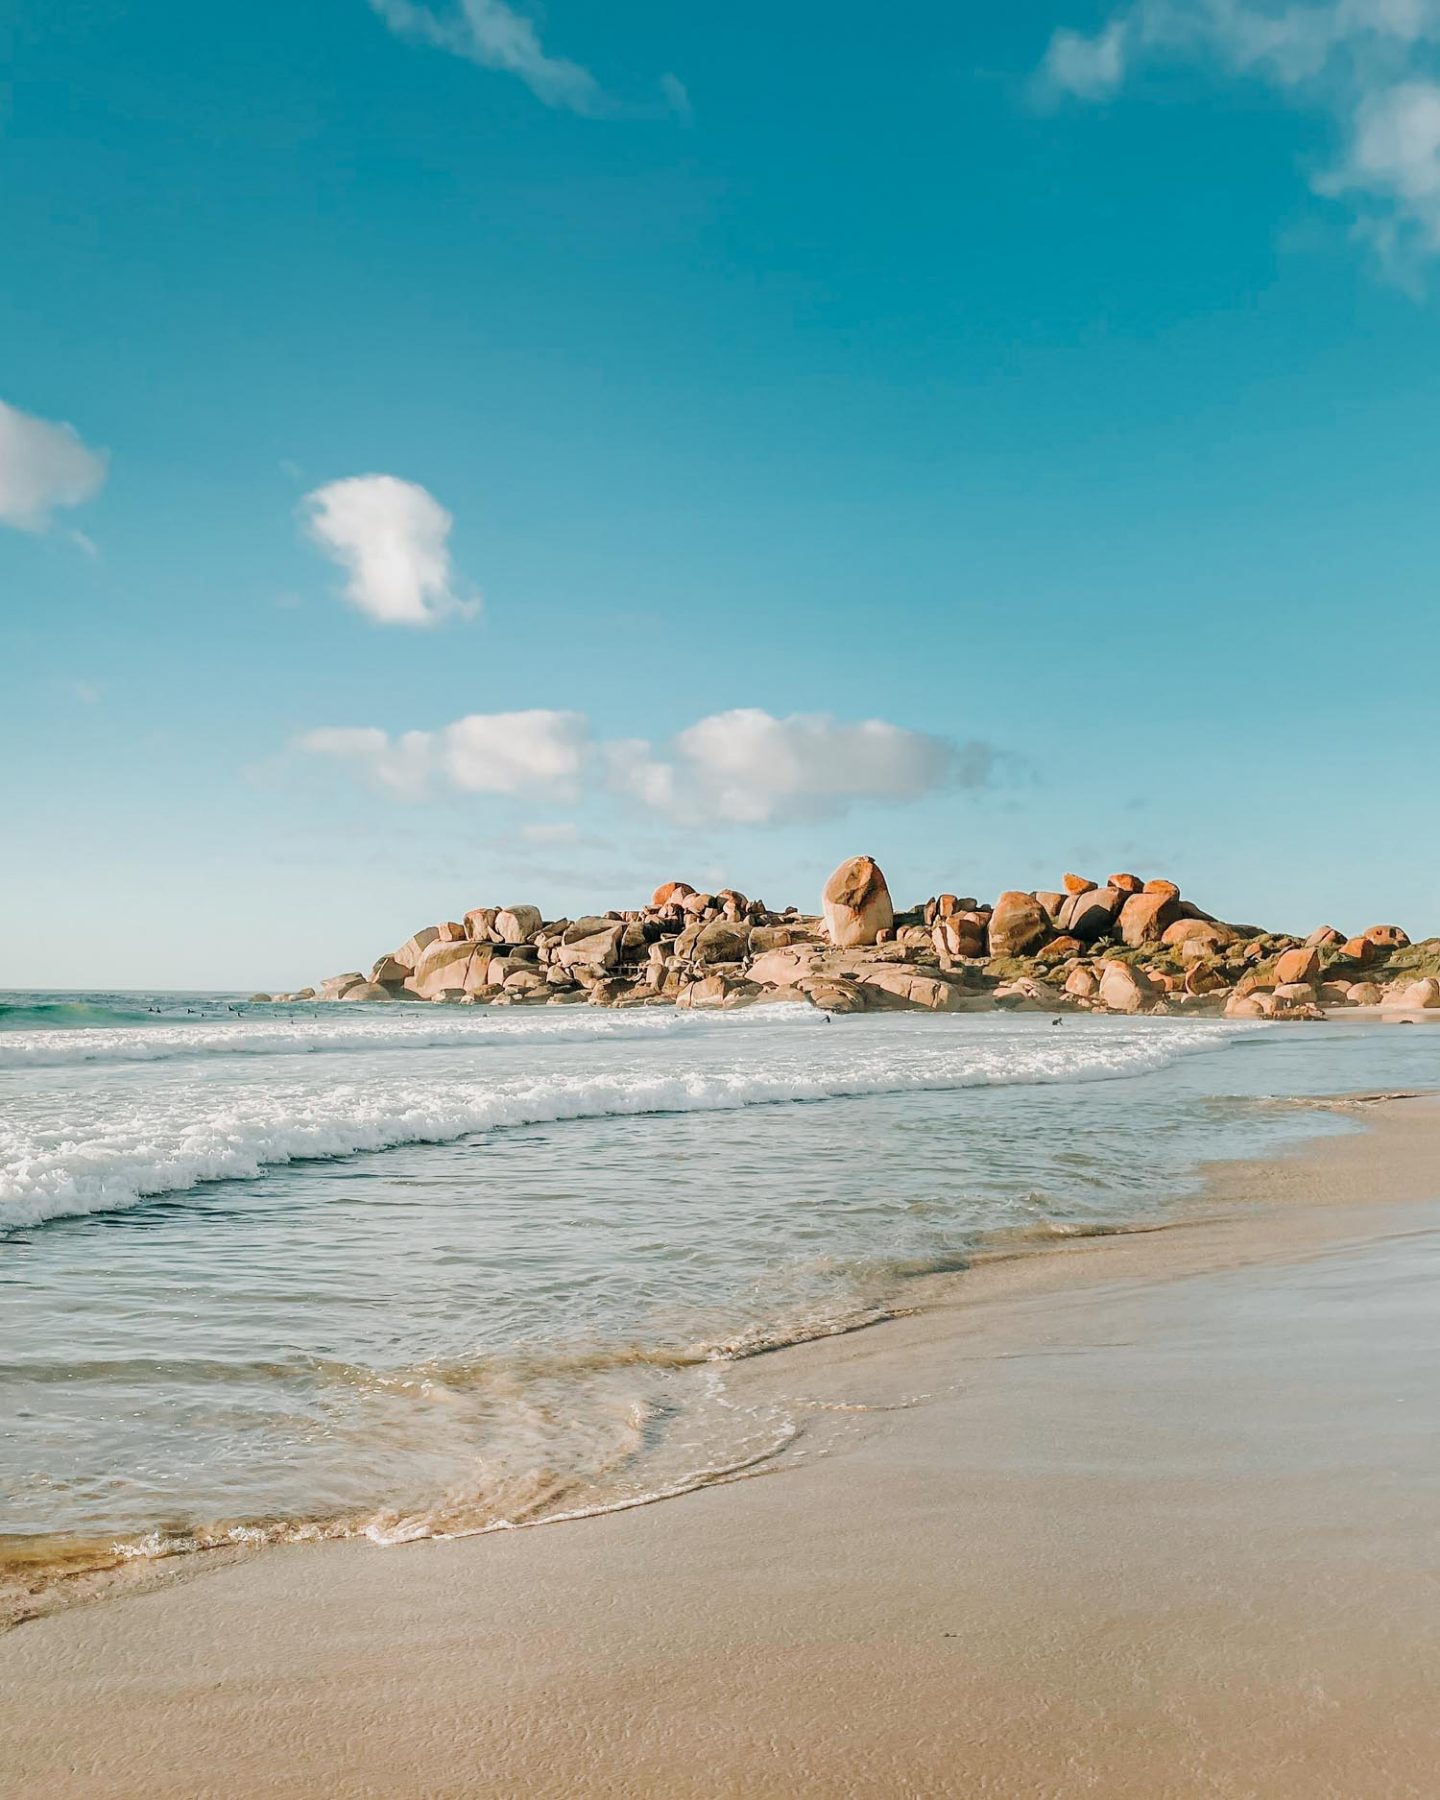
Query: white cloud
[(743, 767), (497, 37), (1372, 65), (537, 752), (392, 538), (42, 466), (747, 767)]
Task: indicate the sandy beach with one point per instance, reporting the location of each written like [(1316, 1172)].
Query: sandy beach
[(1153, 1515)]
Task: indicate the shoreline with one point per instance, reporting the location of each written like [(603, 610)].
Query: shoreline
[(517, 1654), (48, 1576)]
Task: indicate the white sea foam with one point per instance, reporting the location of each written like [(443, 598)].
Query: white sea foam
[(112, 1146), (351, 1030)]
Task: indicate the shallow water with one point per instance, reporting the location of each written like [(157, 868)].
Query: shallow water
[(319, 1270)]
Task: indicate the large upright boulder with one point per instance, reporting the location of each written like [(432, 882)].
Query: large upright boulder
[(1018, 924), (857, 904), (517, 924), (1145, 918)]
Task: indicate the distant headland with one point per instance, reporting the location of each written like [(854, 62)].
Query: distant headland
[(1119, 946)]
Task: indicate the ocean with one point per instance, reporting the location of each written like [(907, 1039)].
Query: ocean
[(273, 1273)]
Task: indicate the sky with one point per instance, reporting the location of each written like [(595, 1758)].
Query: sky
[(453, 453)]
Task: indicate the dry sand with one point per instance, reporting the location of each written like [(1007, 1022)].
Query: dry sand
[(1156, 1515)]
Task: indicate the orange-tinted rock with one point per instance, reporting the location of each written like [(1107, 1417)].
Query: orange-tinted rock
[(1018, 924), (1076, 884), (696, 904), (1297, 965), (1359, 950), (1126, 990), (1083, 982), (857, 904), (1126, 884), (1325, 937), (1092, 914), (1161, 887), (1059, 948), (451, 932), (1144, 918), (670, 891), (1386, 937), (959, 937), (1203, 979), (1248, 1006), (1053, 903)]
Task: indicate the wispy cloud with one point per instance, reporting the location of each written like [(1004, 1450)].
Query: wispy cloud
[(392, 538), (43, 466), (498, 36), (743, 767), (1372, 65)]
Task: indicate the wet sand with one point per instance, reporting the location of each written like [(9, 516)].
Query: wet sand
[(1156, 1515)]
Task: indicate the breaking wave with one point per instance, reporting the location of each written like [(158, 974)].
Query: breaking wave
[(166, 1140)]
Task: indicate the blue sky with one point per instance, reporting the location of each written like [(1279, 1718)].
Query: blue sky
[(1056, 385)]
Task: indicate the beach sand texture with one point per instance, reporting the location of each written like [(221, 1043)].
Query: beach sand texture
[(1155, 1515)]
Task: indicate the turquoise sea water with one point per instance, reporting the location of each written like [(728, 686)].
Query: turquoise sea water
[(402, 1270)]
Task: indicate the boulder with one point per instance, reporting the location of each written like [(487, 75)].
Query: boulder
[(367, 990), (462, 966), (390, 968), (1365, 993), (596, 949), (857, 904), (1125, 884), (1126, 990), (1248, 1006), (1082, 983), (517, 924), (957, 936), (776, 937), (334, 986), (911, 988), (1297, 965), (1203, 978), (1018, 924), (1416, 996), (451, 931), (720, 942), (785, 967), (1325, 937), (1386, 937), (1053, 903), (1290, 994), (834, 995), (1077, 884), (1162, 887), (409, 951), (669, 892), (709, 990), (697, 905), (478, 921), (1144, 918), (1058, 949), (1362, 951), (1092, 914), (260, 999)]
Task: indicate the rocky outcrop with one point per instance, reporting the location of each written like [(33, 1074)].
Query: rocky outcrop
[(1130, 946), (856, 904), (1018, 924)]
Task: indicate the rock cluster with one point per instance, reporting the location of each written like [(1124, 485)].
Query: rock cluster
[(1122, 946)]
